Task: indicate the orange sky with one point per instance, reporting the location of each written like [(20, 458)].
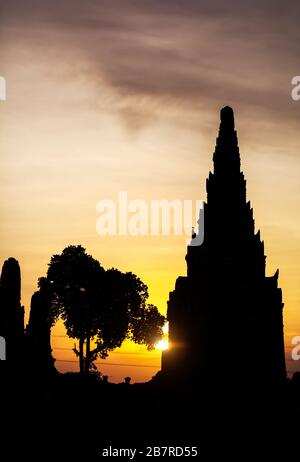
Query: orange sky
[(112, 97)]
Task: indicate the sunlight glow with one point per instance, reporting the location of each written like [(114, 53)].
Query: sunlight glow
[(162, 345), (166, 328)]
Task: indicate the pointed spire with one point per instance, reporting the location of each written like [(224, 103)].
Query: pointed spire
[(227, 118), (226, 156)]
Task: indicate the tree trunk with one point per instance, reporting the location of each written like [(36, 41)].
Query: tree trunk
[(81, 358), (87, 354)]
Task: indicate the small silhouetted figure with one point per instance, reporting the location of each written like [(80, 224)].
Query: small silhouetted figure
[(296, 379), (127, 380)]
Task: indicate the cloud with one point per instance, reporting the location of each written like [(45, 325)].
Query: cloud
[(192, 53)]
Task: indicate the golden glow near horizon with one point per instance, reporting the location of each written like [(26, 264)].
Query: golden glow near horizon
[(92, 111)]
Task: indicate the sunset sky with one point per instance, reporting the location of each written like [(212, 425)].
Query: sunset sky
[(124, 95)]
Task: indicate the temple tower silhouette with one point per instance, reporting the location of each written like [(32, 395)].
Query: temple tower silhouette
[(11, 310), (38, 333), (226, 317)]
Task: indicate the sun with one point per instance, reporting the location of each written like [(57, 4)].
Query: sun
[(162, 345)]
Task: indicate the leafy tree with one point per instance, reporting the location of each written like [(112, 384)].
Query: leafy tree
[(104, 306), (77, 280), (127, 315)]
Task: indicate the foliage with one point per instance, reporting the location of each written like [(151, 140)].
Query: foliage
[(105, 306)]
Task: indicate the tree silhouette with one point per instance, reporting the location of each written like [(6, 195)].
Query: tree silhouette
[(77, 281), (127, 315), (104, 306)]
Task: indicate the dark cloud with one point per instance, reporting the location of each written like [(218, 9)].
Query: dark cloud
[(190, 52)]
